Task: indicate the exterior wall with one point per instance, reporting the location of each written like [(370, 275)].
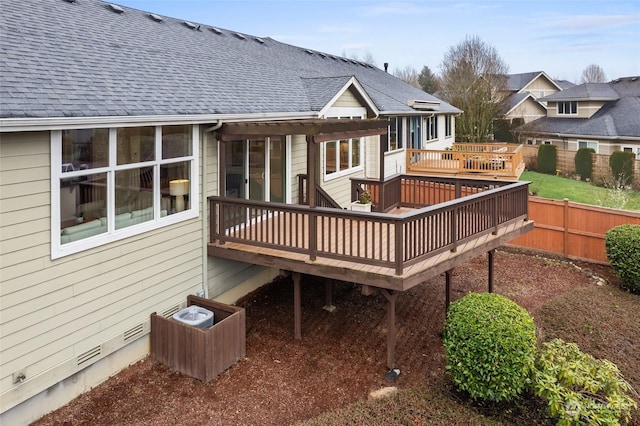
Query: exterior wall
[(60, 316), (528, 110), (298, 163), (347, 99), (540, 84), (395, 162), (586, 109)]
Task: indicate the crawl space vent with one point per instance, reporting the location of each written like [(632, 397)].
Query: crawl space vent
[(134, 332), (89, 355), (169, 312)]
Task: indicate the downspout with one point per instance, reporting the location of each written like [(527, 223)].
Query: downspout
[(205, 225)]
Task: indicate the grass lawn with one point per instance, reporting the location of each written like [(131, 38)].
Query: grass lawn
[(558, 188)]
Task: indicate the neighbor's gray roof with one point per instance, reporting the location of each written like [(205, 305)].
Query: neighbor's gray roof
[(617, 118), (82, 59), (583, 92), (516, 82)]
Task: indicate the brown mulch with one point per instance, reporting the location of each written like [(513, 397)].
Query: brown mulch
[(340, 359)]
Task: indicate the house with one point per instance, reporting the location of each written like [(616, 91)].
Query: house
[(602, 116), (524, 92), (138, 153)]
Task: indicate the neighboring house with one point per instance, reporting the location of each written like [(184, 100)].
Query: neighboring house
[(602, 116), (525, 91), (111, 121)]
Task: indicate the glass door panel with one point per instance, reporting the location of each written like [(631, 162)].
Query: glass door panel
[(235, 162), (257, 170), (276, 169)]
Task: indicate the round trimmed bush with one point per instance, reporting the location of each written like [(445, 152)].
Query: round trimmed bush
[(490, 346), (622, 244)]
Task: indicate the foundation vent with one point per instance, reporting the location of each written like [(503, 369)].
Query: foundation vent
[(89, 355), (133, 333), (169, 312)]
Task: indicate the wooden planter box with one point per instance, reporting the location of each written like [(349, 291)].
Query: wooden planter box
[(200, 353)]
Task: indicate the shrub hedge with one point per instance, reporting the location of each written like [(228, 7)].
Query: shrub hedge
[(547, 159), (584, 162), (621, 163), (622, 244), (579, 389), (490, 345)]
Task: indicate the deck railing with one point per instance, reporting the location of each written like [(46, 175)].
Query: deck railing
[(501, 160), (382, 239)]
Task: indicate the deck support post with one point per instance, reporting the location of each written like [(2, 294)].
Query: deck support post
[(490, 257), (391, 297), (297, 306), (447, 297), (328, 296)]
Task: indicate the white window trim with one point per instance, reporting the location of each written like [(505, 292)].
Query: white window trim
[(448, 119), (399, 135), (59, 250), (567, 113)]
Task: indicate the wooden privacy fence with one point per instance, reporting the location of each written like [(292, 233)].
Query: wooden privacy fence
[(575, 230)]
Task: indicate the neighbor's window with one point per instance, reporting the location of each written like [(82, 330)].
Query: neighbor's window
[(570, 107), (588, 144), (113, 183)]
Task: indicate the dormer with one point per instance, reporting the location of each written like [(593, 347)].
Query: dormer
[(581, 101)]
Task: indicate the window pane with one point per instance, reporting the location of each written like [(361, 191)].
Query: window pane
[(82, 207), (176, 141), (174, 187), (330, 160), (393, 134), (84, 149), (355, 152), (136, 144), (134, 196), (344, 154)]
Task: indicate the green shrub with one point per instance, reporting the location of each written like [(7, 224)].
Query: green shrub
[(622, 244), (490, 345), (584, 162), (621, 164), (547, 159), (579, 389)]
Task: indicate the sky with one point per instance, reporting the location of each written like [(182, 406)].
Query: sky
[(559, 37)]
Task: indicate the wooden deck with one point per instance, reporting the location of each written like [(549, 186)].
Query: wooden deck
[(385, 250), (496, 161), (440, 223)]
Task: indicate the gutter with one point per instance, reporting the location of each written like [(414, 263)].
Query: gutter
[(61, 123)]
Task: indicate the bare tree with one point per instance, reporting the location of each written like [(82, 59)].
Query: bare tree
[(429, 82), (474, 80), (408, 74), (593, 74)]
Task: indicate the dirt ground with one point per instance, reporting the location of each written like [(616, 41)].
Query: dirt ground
[(340, 359)]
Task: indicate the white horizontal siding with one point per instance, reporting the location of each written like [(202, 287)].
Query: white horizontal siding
[(54, 310)]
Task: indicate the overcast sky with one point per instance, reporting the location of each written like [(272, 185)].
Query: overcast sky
[(560, 37)]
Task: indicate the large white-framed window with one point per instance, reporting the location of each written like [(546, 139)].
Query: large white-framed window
[(432, 127), (588, 144), (448, 126), (395, 134), (568, 108), (346, 155), (112, 183)]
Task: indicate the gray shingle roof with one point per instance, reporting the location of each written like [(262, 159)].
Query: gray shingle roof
[(61, 59), (586, 91), (619, 117)]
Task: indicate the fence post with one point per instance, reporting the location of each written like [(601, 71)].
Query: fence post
[(565, 226)]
